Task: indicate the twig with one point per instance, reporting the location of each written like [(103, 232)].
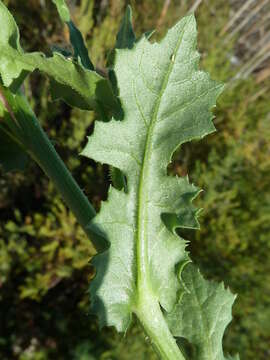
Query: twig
[(236, 16), (256, 65), (163, 12), (261, 43), (195, 6), (254, 62), (247, 19), (263, 75), (258, 94), (254, 28)]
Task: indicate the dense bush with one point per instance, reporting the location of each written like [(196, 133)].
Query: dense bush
[(44, 256)]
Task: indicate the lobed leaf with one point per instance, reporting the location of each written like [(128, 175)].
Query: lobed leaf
[(166, 102), (125, 39), (70, 81), (202, 315)]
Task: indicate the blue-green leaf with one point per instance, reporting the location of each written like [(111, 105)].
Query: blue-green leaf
[(76, 39), (126, 36)]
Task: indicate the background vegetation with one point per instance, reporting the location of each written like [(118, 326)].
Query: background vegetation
[(44, 256)]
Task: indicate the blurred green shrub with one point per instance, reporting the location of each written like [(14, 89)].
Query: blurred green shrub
[(44, 256)]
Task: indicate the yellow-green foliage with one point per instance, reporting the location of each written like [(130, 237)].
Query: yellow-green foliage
[(44, 255)]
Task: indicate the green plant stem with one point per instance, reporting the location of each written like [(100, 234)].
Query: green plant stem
[(44, 153), (151, 317)]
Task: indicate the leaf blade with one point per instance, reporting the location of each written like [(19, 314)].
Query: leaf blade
[(156, 122), (76, 39), (126, 37), (82, 86), (62, 9), (202, 315)]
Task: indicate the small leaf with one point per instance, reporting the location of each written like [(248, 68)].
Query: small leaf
[(76, 39), (80, 50), (118, 179), (202, 315), (126, 36)]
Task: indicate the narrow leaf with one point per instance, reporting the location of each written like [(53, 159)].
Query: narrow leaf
[(126, 36), (80, 50), (76, 39), (202, 315), (166, 102)]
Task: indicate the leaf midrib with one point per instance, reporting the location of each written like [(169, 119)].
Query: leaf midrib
[(141, 242)]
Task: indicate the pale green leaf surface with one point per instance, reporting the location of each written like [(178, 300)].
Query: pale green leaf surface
[(202, 315), (166, 101), (62, 9), (125, 39), (70, 81)]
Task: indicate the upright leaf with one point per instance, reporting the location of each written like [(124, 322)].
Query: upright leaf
[(76, 39), (202, 315), (80, 50), (70, 81), (126, 36), (166, 102)]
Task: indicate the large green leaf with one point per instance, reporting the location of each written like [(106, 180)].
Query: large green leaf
[(166, 102), (70, 81), (202, 315)]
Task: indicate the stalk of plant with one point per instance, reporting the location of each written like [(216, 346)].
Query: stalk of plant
[(154, 100)]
